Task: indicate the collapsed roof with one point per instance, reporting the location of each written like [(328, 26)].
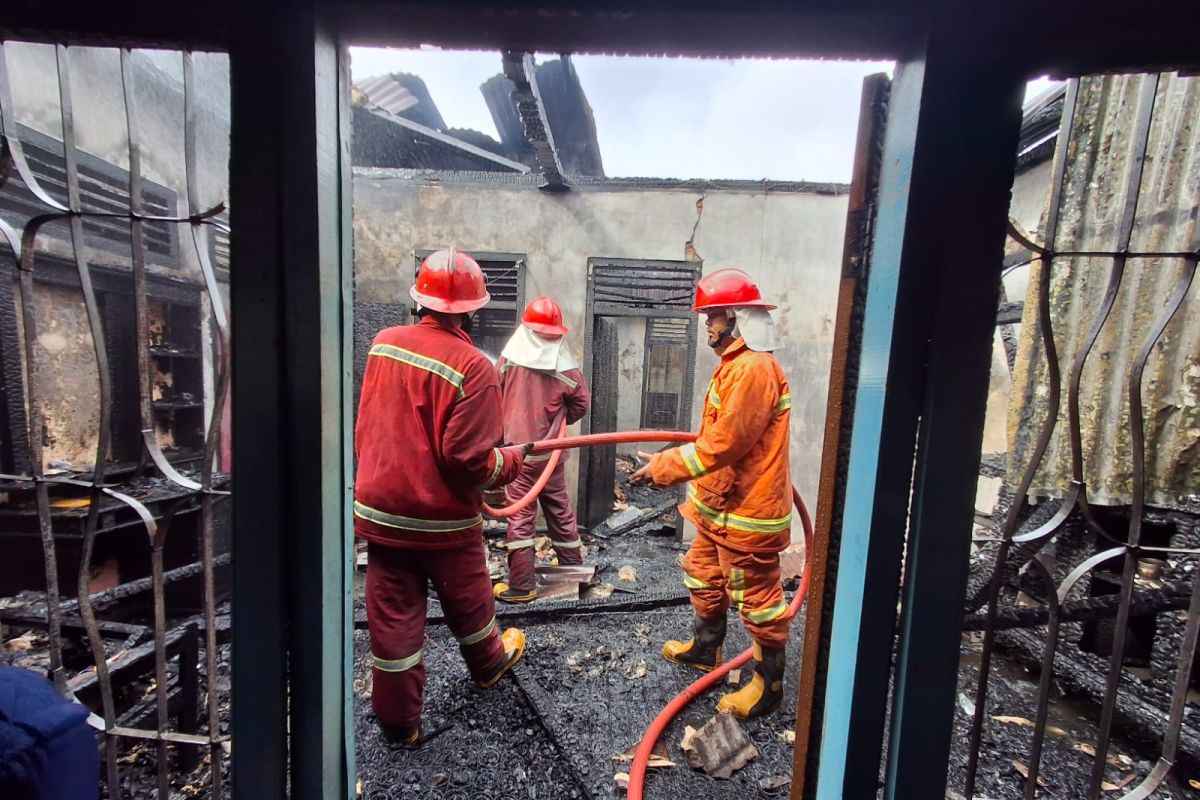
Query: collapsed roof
[(543, 117)]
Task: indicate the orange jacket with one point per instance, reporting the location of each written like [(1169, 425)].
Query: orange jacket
[(741, 487)]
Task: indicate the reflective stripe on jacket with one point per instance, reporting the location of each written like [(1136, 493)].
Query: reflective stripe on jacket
[(428, 427), (741, 487)]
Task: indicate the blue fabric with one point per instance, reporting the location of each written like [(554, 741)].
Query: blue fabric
[(47, 750)]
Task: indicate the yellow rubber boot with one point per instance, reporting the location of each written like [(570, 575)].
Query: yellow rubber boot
[(764, 692), (703, 650), (513, 640), (505, 594)]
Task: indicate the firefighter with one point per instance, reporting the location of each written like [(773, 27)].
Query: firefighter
[(540, 384), (429, 426), (739, 495)]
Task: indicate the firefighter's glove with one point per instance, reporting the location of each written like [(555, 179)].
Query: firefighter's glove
[(515, 454), (643, 475)]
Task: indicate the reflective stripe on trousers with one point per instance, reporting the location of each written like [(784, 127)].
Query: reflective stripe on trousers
[(396, 664), (478, 636)]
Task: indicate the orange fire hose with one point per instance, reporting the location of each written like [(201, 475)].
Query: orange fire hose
[(641, 757), (555, 446)]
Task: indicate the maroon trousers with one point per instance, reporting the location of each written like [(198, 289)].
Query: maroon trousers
[(397, 581), (560, 519)]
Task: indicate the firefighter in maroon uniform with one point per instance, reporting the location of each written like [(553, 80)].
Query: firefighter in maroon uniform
[(541, 384), (429, 426)]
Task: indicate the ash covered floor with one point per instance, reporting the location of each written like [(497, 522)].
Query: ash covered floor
[(1068, 746), (591, 680)]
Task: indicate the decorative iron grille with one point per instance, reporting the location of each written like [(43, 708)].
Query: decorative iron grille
[(43, 183), (1105, 563)]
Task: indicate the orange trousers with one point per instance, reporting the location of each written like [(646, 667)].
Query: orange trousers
[(718, 577)]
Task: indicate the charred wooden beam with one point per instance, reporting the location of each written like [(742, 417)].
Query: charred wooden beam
[(1010, 313), (1142, 720), (129, 665), (126, 590), (1172, 597), (125, 666), (520, 69), (116, 630)]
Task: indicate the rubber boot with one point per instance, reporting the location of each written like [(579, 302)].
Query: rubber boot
[(505, 594), (764, 692), (513, 640), (409, 739), (703, 651)]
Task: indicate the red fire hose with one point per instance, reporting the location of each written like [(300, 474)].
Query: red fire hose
[(555, 446), (637, 774), (543, 479), (641, 757)]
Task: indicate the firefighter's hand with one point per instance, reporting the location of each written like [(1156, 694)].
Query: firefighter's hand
[(642, 475), (514, 460)]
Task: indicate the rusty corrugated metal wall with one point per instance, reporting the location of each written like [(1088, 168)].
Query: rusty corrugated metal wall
[(1092, 201)]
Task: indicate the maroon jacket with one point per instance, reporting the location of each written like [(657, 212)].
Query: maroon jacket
[(427, 439), (534, 399)]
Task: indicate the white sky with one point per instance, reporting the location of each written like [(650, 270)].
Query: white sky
[(677, 117)]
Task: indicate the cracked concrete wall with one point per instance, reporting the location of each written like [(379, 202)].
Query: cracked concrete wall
[(790, 241)]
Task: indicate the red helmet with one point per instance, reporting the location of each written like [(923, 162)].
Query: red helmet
[(544, 316), (450, 281), (725, 288)]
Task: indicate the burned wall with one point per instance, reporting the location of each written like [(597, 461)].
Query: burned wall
[(67, 380), (631, 355), (66, 375), (99, 111), (790, 240), (1030, 190)]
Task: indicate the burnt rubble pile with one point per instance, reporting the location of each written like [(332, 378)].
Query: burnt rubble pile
[(1158, 621)]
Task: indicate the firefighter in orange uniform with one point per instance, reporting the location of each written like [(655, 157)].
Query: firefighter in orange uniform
[(429, 423), (739, 495), (541, 384)]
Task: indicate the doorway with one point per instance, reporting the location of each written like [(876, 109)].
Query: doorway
[(639, 359)]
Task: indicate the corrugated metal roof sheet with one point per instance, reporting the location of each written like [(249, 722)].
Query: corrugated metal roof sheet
[(387, 93), (1098, 165)]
